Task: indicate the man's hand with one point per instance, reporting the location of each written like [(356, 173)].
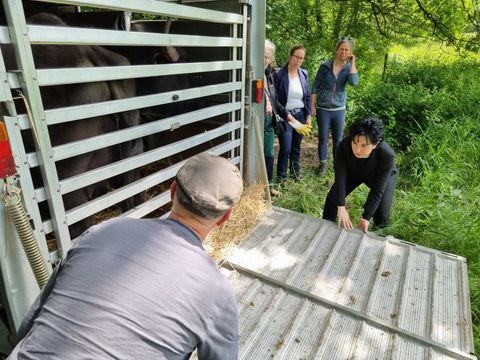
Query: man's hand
[(363, 225), (344, 218), (309, 120)]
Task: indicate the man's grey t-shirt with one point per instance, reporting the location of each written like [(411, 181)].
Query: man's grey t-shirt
[(133, 289)]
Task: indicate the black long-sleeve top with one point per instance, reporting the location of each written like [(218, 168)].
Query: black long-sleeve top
[(375, 171)]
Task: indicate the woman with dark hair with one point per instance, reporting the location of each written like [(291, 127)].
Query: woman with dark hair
[(329, 97), (363, 157), (294, 106)]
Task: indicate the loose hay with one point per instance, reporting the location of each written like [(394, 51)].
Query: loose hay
[(221, 241)]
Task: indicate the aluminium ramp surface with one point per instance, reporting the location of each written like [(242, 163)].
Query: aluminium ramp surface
[(306, 289)]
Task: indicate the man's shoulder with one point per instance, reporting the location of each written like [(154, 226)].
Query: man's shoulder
[(119, 224)]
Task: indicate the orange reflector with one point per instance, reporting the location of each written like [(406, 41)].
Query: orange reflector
[(7, 166), (257, 89)]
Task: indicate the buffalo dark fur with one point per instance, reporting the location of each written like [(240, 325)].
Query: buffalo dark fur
[(62, 56)]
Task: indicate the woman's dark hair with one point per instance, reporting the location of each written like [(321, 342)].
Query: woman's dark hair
[(295, 48), (371, 128)]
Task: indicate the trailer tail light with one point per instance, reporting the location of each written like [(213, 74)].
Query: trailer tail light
[(257, 89), (7, 165)]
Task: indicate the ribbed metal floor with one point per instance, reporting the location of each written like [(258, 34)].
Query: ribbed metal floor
[(308, 290)]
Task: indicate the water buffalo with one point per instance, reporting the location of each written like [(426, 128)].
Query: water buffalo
[(63, 56)]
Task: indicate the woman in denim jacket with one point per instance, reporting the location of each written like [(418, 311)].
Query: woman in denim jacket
[(293, 103), (329, 97)]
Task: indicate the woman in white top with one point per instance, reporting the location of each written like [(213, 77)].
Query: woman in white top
[(293, 102)]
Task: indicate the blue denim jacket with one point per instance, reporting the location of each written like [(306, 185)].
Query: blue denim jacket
[(281, 86), (331, 93)]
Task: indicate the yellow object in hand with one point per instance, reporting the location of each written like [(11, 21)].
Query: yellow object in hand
[(302, 129)]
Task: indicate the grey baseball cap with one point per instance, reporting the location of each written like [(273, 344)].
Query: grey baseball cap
[(208, 185)]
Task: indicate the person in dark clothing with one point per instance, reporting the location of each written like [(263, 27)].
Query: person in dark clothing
[(269, 113), (363, 157), (293, 105)]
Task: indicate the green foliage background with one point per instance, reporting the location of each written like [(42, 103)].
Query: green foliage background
[(429, 99)]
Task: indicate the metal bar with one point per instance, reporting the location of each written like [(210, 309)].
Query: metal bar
[(24, 56), (97, 142), (49, 77), (60, 35), (375, 322), (5, 35), (63, 115), (13, 80), (233, 77), (243, 81), (158, 8), (467, 314)]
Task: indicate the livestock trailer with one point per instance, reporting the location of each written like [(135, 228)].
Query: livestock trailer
[(102, 102)]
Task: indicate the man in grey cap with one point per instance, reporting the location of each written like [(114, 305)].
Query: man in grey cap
[(144, 288)]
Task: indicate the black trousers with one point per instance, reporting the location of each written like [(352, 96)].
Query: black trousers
[(381, 217)]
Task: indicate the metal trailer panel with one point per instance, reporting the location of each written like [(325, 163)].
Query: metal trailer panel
[(254, 112), (40, 34), (307, 289), (48, 77)]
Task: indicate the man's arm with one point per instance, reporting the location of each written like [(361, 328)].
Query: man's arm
[(340, 183), (221, 340), (377, 187), (37, 305)]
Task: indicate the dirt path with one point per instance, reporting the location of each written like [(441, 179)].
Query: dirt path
[(308, 151)]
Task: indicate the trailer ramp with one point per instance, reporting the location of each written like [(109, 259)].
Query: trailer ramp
[(307, 289)]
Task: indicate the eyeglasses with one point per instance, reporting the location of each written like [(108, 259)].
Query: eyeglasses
[(299, 58)]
